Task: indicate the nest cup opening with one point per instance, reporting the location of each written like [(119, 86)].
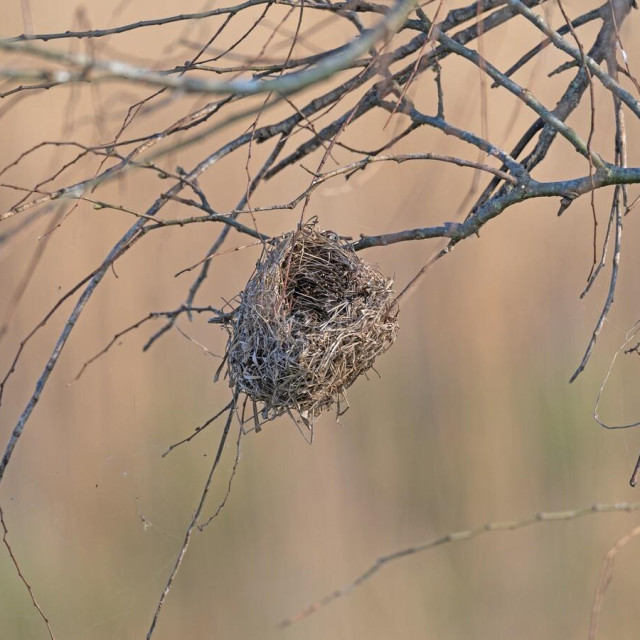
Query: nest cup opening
[(312, 318)]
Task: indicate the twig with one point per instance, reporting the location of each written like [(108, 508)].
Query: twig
[(523, 94), (563, 30), (193, 523), (132, 327), (14, 560), (630, 336), (592, 125), (592, 65), (198, 430), (232, 476), (404, 157), (606, 574), (551, 516), (289, 83), (617, 214)]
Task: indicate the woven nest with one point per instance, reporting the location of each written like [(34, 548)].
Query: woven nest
[(311, 320)]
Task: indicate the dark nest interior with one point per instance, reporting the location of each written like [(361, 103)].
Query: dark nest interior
[(311, 320)]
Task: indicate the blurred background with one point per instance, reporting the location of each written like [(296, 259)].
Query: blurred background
[(472, 419)]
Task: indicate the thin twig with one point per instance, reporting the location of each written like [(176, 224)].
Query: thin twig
[(14, 560), (606, 574), (232, 476), (623, 349), (198, 430), (285, 84), (193, 523), (458, 536)]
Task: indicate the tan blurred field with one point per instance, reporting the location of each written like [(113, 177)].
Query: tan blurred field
[(472, 419)]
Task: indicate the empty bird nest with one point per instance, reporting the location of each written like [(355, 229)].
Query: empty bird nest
[(311, 320)]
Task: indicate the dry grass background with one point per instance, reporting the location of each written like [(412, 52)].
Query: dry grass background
[(473, 419)]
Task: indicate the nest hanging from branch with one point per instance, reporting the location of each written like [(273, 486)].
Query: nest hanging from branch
[(311, 320)]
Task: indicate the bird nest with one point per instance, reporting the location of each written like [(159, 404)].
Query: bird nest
[(311, 320)]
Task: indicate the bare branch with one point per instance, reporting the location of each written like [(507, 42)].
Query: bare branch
[(285, 84), (193, 523), (622, 8), (14, 560), (606, 574), (458, 536)]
